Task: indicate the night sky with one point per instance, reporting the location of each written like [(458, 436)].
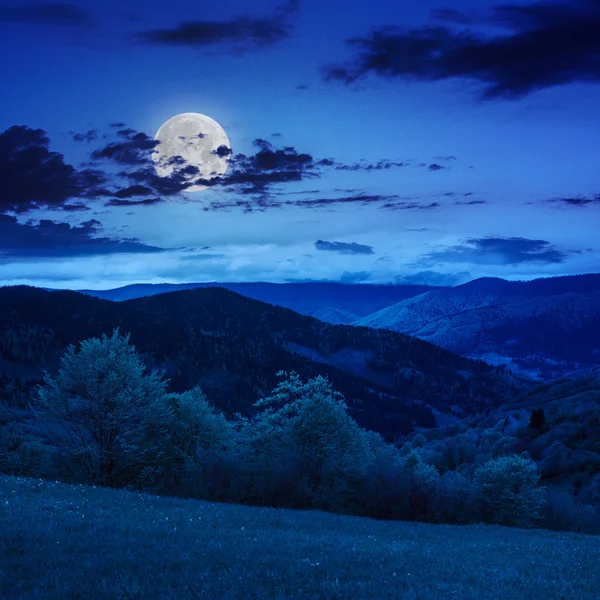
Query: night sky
[(371, 141)]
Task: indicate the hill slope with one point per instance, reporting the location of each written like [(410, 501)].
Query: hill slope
[(138, 545), (545, 327), (233, 347)]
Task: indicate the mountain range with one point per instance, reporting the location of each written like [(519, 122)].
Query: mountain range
[(541, 329), (233, 347)]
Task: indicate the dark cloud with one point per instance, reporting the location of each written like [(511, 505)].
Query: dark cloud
[(31, 176), (74, 207), (577, 200), (135, 148), (343, 247), (241, 34), (145, 202), (88, 136), (435, 167), (382, 165), (497, 251), (46, 13), (410, 205), (470, 202), (124, 174), (49, 239), (133, 190), (547, 44), (433, 278), (364, 199)]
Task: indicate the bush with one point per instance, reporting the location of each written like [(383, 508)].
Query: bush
[(507, 491), (109, 417), (563, 513)]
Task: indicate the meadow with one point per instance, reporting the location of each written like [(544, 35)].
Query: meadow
[(62, 541)]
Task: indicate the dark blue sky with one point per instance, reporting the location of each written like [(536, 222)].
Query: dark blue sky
[(376, 141)]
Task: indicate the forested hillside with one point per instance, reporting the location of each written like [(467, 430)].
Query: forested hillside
[(545, 328), (233, 347)]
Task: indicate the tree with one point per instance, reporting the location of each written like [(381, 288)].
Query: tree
[(537, 418), (507, 491), (110, 416), (424, 479), (196, 445), (319, 442), (453, 501)]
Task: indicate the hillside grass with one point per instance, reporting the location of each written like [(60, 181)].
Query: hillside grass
[(60, 541)]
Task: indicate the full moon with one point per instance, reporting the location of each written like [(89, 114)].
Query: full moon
[(192, 139)]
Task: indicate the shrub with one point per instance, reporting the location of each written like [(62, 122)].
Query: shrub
[(563, 513), (507, 491)]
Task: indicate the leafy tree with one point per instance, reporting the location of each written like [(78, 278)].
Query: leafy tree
[(110, 416), (318, 440), (385, 489), (424, 479), (507, 491), (453, 503), (555, 460), (196, 445)]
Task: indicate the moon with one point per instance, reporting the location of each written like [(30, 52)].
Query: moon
[(192, 139)]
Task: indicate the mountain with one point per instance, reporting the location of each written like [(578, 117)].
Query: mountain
[(336, 303), (544, 328), (233, 347)]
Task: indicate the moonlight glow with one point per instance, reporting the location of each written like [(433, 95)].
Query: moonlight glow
[(197, 139)]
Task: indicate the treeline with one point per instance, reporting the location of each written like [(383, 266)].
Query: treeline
[(103, 419)]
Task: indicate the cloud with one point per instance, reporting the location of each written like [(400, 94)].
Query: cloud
[(361, 166), (133, 148), (546, 44), (46, 13), (49, 239), (343, 247), (88, 136), (577, 200), (122, 172), (31, 176), (497, 251), (433, 278), (410, 205), (241, 34), (145, 202)]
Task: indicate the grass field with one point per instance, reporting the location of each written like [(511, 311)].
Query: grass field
[(61, 541)]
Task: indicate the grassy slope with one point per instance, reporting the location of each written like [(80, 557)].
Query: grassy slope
[(62, 541)]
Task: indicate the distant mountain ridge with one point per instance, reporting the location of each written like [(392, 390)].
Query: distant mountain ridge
[(337, 303), (544, 327)]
